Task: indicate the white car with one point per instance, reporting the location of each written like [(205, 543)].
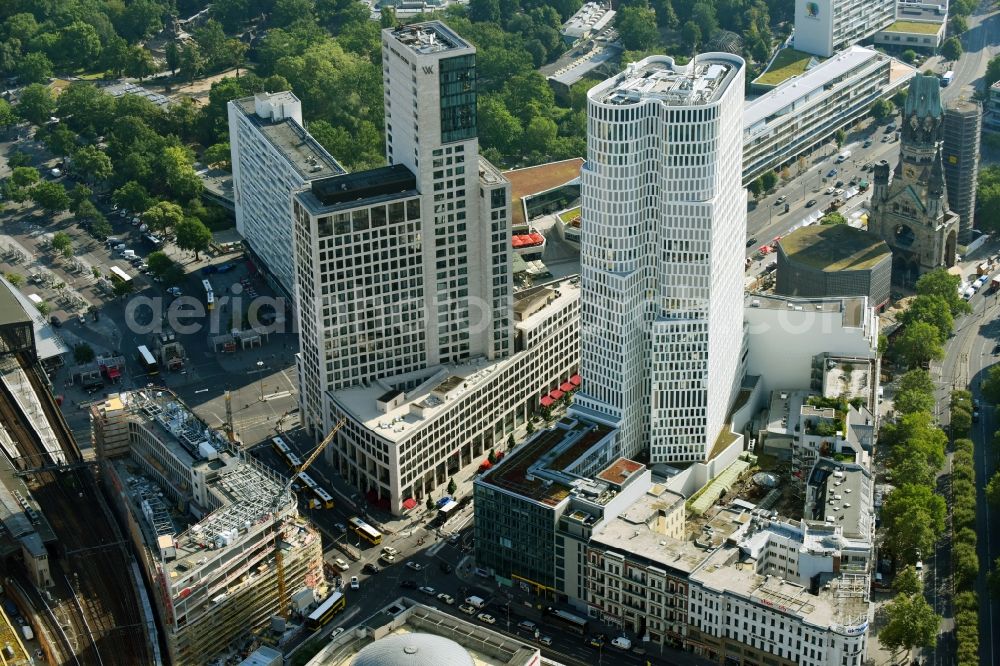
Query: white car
[(467, 609), (429, 591), (388, 558), (336, 632), (830, 190), (446, 598), (174, 291), (389, 550), (545, 640), (355, 585), (340, 564), (416, 566), (487, 618)]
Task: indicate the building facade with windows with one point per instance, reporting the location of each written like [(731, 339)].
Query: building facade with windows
[(962, 130), (272, 157), (823, 27), (662, 351)]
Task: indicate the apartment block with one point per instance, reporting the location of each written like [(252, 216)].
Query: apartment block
[(661, 357), (806, 111), (823, 27), (272, 156), (211, 568), (962, 131)]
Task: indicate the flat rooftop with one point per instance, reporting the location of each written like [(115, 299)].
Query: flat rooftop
[(925, 27), (786, 64), (441, 385), (834, 248), (634, 531), (851, 307), (47, 342), (844, 605), (11, 311), (541, 178), (352, 189), (843, 497), (429, 37), (805, 83), (306, 155), (552, 450), (658, 78)]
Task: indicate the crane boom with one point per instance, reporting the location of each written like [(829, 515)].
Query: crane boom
[(278, 557)]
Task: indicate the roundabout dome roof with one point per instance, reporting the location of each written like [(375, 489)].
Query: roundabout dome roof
[(413, 650)]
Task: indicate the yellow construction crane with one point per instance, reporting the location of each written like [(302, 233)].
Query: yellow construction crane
[(278, 557)]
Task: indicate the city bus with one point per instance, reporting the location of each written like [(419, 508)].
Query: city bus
[(294, 462), (324, 498), (147, 361), (335, 603), (307, 481), (280, 447), (574, 623), (366, 531), (946, 79), (209, 295), (118, 275)]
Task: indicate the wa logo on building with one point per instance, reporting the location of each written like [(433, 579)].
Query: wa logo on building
[(428, 69), (812, 10)]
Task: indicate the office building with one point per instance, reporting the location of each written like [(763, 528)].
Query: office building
[(991, 112), (408, 434), (820, 261), (918, 25), (791, 340), (805, 112), (408, 632), (409, 325), (911, 213), (962, 130), (211, 569), (664, 233), (272, 156), (823, 27), (588, 21)]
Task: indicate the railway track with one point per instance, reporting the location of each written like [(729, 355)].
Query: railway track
[(93, 595)]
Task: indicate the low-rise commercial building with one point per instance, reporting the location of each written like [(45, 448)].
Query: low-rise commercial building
[(806, 111), (820, 261), (918, 25), (212, 569), (589, 20), (407, 435)]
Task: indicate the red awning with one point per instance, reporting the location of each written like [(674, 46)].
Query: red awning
[(556, 394), (409, 503), (566, 386), (547, 401), (113, 373), (575, 380)]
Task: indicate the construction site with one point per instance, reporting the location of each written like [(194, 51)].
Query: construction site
[(222, 546), (69, 575)]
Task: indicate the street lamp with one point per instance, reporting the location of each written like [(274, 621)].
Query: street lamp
[(260, 370)]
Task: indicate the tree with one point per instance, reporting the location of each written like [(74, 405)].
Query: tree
[(177, 173), (173, 57), (93, 164), (287, 12), (703, 13), (913, 518), (951, 49), (942, 283), (16, 279), (163, 216), (60, 139), (908, 582), (932, 309), (992, 72), (908, 56), (452, 486), (637, 27), (429, 503), (133, 197), (7, 115), (484, 11), (915, 392), (192, 235), (959, 25), (911, 623), (79, 45), (139, 63), (34, 67), (190, 63), (100, 228), (919, 343), (833, 218), (498, 127), (691, 35), (492, 457), (961, 422), (122, 289), (769, 180), (881, 109), (77, 196), (510, 442), (62, 243), (218, 154), (36, 104), (756, 188), (966, 563), (24, 176), (840, 137), (539, 135), (83, 353), (992, 488), (50, 196), (988, 197), (159, 263)]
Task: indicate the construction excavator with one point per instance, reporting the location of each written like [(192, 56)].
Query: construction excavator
[(278, 557)]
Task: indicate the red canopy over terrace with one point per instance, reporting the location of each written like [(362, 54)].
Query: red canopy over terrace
[(547, 401), (409, 503), (555, 395), (567, 387), (575, 380)]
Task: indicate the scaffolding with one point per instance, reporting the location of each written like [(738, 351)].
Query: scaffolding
[(249, 491), (191, 433)]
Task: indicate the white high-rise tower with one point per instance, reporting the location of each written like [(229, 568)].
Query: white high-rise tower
[(664, 225)]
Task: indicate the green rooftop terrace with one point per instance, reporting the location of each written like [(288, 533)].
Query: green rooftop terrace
[(836, 247), (787, 64), (918, 27)]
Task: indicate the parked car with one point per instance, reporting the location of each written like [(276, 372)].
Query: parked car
[(340, 527), (386, 557), (454, 538), (408, 584), (596, 641), (429, 591), (867, 143), (416, 566), (545, 640), (174, 291), (487, 618), (370, 569), (780, 200), (389, 550), (527, 625), (467, 609), (355, 584), (446, 598), (810, 203), (445, 567), (839, 183), (336, 632), (751, 241), (340, 564), (622, 643), (830, 189), (832, 173), (890, 128), (224, 268)]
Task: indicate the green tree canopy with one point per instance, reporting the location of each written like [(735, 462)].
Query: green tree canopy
[(637, 27), (36, 104), (940, 282), (769, 180), (931, 309), (193, 236), (911, 623), (919, 343), (93, 164), (159, 263), (988, 195), (756, 188), (83, 353), (915, 392), (24, 176), (50, 196), (913, 518), (61, 242), (951, 49), (881, 109), (133, 197), (908, 581), (163, 215)]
